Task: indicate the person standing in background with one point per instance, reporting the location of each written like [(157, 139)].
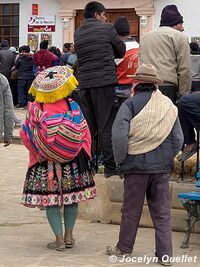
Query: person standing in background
[(97, 45), (72, 56), (14, 78), (7, 59), (195, 66), (6, 111), (167, 48), (64, 57), (129, 63), (56, 51), (24, 65), (43, 58)]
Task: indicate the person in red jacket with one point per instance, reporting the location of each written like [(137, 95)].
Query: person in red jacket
[(43, 58), (128, 64)]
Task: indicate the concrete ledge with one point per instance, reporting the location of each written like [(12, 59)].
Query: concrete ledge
[(197, 228), (180, 188), (99, 208), (106, 207), (17, 140), (115, 213), (178, 220), (116, 189)]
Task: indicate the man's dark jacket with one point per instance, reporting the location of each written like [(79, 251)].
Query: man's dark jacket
[(97, 45), (7, 61), (158, 160), (24, 64)]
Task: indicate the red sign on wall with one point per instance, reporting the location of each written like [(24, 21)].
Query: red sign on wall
[(41, 28), (34, 9)]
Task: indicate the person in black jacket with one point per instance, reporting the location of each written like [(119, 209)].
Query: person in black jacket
[(97, 45), (24, 65)]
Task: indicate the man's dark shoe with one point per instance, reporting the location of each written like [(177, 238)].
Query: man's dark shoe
[(164, 263), (113, 250), (110, 172)]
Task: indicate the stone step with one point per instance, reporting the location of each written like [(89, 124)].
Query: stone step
[(106, 207)]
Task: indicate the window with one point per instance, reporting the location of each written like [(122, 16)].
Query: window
[(9, 23)]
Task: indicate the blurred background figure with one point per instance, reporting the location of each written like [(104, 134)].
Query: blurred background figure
[(128, 64), (43, 58), (195, 66), (56, 51), (6, 111), (72, 56), (64, 57), (170, 54), (24, 65), (14, 78), (7, 59)]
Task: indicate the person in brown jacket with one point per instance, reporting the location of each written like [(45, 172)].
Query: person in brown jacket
[(167, 48)]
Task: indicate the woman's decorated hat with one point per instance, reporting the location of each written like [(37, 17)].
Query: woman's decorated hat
[(53, 84)]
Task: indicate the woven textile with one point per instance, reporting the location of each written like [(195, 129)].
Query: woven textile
[(53, 84), (59, 137), (151, 126), (72, 182)]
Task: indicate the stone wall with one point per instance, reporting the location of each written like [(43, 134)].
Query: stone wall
[(106, 207)]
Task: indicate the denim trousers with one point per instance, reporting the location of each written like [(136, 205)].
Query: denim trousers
[(23, 87)]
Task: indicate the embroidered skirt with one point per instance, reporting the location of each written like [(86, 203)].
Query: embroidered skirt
[(55, 184)]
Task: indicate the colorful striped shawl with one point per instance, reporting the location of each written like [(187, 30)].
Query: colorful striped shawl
[(59, 137)]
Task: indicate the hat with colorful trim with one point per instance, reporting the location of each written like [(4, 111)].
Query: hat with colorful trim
[(53, 84)]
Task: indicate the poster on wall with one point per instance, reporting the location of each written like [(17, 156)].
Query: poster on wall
[(41, 23), (46, 36), (33, 41)]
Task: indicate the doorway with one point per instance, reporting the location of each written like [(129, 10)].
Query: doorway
[(111, 15)]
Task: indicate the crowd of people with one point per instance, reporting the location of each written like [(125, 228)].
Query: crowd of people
[(21, 66), (131, 96)]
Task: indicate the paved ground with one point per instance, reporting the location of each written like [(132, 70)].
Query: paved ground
[(24, 232), (20, 115)]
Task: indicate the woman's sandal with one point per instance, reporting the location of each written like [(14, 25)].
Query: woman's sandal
[(55, 246), (69, 243)]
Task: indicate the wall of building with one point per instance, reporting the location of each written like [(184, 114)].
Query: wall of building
[(47, 7), (66, 9), (189, 11), (69, 8)]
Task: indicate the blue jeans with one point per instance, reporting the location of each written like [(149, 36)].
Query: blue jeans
[(23, 87)]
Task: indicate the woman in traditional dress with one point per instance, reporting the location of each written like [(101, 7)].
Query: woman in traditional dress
[(51, 181)]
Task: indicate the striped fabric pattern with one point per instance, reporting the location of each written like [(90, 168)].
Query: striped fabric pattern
[(59, 137)]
